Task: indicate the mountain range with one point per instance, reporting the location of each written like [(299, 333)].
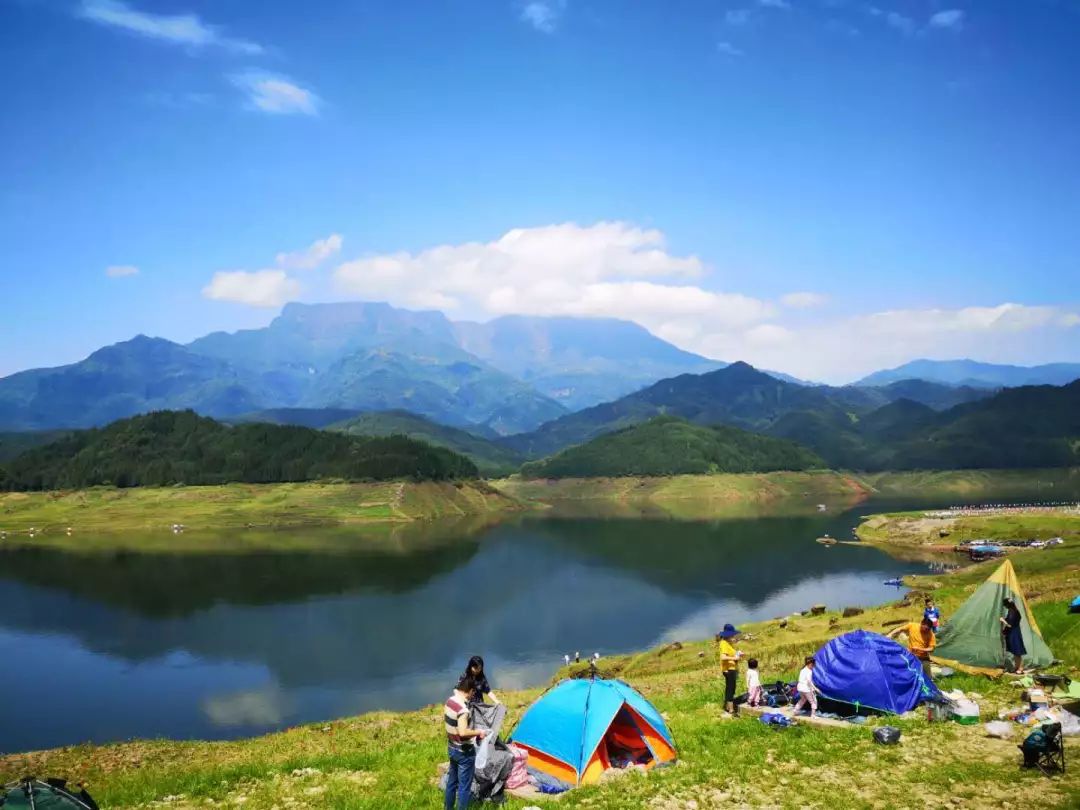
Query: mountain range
[(975, 374), (506, 376), (849, 427), (737, 395), (543, 382)]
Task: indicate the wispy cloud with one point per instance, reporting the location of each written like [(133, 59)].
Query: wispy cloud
[(803, 300), (738, 16), (905, 25), (278, 95), (178, 29), (312, 256), (728, 49), (260, 288), (950, 18), (783, 4), (121, 270), (543, 15)]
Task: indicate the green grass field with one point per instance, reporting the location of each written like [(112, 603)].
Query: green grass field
[(104, 509), (388, 760)]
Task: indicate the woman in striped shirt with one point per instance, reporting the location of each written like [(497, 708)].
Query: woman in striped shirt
[(460, 744)]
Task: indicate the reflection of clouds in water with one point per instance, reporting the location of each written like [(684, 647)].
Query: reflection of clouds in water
[(858, 589), (264, 706)]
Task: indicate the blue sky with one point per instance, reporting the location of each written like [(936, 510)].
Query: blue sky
[(819, 186)]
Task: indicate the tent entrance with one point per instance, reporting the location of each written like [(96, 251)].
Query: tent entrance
[(624, 744)]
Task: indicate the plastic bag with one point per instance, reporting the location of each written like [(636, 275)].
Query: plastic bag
[(887, 735), (999, 728)]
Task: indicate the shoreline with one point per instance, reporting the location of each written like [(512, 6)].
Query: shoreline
[(385, 759), (330, 503)]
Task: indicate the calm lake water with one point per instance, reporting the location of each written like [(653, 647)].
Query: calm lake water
[(107, 644)]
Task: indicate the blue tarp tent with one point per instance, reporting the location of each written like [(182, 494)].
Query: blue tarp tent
[(571, 730), (866, 669), (1074, 606)]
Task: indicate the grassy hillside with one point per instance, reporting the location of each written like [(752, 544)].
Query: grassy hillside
[(180, 447), (106, 509), (490, 458), (668, 445), (688, 497), (388, 760)]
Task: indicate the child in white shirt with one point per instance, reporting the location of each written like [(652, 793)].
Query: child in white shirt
[(755, 696), (807, 690)]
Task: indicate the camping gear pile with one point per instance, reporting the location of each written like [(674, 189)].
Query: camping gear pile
[(582, 728), (48, 794)]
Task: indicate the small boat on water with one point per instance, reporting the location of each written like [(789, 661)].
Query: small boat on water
[(894, 581), (825, 540), (821, 507)]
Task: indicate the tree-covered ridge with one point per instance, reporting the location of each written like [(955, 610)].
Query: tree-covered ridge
[(1029, 427), (668, 445), (492, 459), (180, 447)]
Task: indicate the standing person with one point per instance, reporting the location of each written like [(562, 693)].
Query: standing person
[(806, 688), (921, 640), (932, 613), (460, 743), (755, 695), (729, 664), (475, 667), (1013, 636)]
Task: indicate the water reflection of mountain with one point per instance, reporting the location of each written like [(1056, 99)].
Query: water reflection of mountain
[(518, 592), (167, 584)]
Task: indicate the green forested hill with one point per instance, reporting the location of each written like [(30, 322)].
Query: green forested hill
[(1033, 426), (668, 445), (180, 447), (491, 458), (15, 443)]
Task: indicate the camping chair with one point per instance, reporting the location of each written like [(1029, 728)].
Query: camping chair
[(1045, 749)]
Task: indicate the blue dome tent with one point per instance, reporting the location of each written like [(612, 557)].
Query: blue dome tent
[(868, 670), (575, 731)]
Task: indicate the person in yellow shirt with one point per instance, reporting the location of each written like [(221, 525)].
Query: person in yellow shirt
[(921, 640), (729, 663)]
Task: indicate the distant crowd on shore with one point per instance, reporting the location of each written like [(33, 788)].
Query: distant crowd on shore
[(1002, 509)]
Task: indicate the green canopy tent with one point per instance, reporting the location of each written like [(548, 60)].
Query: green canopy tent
[(971, 640), (50, 794)]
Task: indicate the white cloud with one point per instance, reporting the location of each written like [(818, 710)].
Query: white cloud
[(840, 350), (178, 29), (728, 49), (950, 18), (543, 15), (278, 95), (803, 300), (782, 4), (261, 288), (609, 269), (311, 257), (738, 16), (901, 23), (121, 270)]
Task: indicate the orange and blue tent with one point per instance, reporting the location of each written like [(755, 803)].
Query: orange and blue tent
[(572, 730)]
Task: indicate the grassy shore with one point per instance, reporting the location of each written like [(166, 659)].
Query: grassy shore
[(685, 497), (689, 497), (106, 509), (387, 760), (937, 530)]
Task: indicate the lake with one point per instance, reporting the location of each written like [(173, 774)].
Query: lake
[(239, 635)]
